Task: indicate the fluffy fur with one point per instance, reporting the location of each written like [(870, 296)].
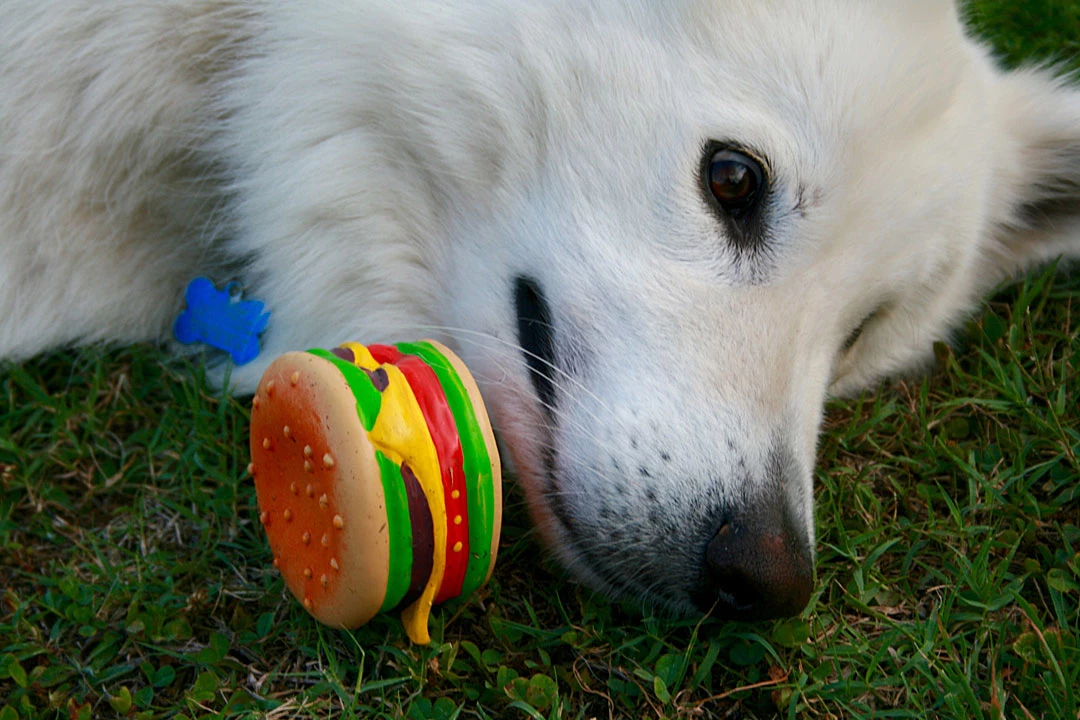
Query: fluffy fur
[(377, 170)]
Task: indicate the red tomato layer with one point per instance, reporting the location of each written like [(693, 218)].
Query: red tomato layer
[(440, 421)]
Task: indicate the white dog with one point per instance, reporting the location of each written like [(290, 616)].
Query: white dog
[(659, 232)]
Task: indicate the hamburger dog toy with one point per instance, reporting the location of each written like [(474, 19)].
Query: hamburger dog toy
[(378, 480)]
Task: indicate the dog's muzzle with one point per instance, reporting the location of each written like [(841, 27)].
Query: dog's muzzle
[(756, 564)]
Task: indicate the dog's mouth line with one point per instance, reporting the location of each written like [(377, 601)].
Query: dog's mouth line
[(536, 338)]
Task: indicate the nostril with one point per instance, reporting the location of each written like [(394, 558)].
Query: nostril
[(536, 336), (755, 574)]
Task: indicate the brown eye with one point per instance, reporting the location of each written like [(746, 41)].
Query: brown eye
[(735, 180)]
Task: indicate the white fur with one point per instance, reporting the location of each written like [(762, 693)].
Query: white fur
[(376, 170)]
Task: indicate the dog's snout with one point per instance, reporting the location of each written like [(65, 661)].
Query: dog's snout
[(756, 570)]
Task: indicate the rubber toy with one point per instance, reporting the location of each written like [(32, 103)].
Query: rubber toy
[(378, 480), (220, 319)]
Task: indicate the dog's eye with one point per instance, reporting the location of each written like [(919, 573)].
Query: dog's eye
[(735, 180)]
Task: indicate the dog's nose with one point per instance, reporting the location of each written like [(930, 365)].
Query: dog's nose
[(756, 570)]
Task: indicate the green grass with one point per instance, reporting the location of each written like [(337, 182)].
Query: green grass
[(136, 581)]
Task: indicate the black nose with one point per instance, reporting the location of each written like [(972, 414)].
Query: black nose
[(756, 570)]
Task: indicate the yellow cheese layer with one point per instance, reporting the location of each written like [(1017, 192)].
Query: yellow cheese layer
[(401, 434)]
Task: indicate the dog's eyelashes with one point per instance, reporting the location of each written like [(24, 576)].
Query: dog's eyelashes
[(734, 179)]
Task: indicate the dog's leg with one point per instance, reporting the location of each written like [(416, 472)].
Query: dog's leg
[(107, 207)]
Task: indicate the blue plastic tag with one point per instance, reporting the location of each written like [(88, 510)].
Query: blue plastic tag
[(220, 319)]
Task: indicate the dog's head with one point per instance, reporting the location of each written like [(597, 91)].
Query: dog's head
[(675, 228)]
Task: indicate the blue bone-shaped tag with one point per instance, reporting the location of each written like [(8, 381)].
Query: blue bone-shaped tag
[(220, 319)]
